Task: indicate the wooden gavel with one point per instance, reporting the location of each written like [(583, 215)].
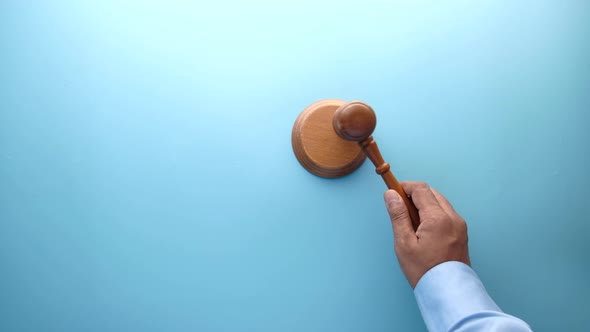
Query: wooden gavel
[(355, 121)]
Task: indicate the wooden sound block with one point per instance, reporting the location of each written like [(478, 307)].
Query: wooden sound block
[(317, 146)]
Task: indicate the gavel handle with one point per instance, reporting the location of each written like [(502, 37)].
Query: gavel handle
[(382, 168)]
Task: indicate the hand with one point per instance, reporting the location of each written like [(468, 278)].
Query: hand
[(441, 236)]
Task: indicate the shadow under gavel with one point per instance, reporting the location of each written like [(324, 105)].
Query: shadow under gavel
[(355, 121)]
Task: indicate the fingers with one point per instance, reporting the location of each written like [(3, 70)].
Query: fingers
[(403, 231), (422, 196), (446, 205)]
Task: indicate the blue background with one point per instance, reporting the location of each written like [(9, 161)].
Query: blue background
[(147, 181)]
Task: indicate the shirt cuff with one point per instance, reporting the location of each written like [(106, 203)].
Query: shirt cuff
[(450, 292)]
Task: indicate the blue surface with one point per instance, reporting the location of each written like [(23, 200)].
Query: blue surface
[(147, 181)]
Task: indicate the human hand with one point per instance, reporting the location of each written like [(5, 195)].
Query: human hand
[(441, 236)]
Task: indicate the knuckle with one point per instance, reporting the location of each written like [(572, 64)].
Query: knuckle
[(397, 212), (459, 236), (412, 187), (462, 226), (436, 215), (421, 187)]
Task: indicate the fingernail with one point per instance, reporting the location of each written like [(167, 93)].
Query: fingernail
[(391, 196)]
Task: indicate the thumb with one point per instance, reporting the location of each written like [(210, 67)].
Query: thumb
[(400, 219)]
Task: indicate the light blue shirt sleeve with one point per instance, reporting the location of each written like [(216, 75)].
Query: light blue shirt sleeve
[(452, 298)]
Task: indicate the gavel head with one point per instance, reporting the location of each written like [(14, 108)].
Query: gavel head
[(354, 121)]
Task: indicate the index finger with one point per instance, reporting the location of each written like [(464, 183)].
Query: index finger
[(421, 195)]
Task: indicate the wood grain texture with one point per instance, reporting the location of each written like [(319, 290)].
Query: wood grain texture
[(318, 148)]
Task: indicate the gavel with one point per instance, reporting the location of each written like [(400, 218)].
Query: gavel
[(332, 138), (355, 121)]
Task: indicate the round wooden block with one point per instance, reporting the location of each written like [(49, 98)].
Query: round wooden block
[(318, 148)]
